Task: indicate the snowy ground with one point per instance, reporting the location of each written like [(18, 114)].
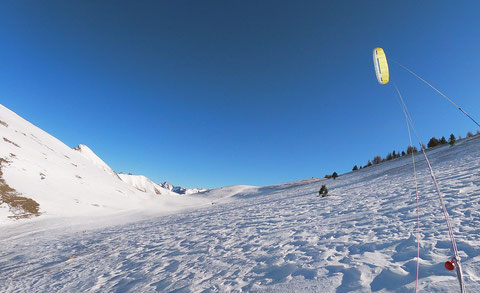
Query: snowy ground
[(279, 238)]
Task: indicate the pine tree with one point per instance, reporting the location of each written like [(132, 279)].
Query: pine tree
[(334, 175), (411, 149), (433, 142), (443, 140), (355, 168), (389, 156), (452, 139), (369, 163)]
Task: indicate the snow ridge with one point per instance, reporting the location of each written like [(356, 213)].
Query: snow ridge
[(91, 156), (144, 184)]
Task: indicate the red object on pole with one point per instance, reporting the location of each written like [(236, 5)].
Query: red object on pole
[(449, 265)]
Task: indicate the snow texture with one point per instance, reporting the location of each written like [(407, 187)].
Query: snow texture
[(280, 238)]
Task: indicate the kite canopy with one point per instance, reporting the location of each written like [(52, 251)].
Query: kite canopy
[(381, 65)]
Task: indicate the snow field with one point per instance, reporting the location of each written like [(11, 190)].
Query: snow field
[(98, 233), (280, 238)]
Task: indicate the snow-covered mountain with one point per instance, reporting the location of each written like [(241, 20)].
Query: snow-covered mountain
[(144, 184), (181, 190), (167, 185), (40, 175), (92, 157), (140, 182)]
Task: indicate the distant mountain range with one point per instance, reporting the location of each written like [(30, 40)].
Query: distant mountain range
[(144, 184), (140, 182), (181, 190)]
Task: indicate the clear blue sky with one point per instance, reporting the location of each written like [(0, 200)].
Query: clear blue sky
[(215, 93)]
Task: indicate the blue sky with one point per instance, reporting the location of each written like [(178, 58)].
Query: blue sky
[(215, 93)]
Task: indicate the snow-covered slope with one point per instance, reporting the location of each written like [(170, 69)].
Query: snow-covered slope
[(280, 238), (92, 157), (144, 184), (228, 192), (62, 181)]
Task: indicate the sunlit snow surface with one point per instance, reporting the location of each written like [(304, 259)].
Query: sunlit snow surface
[(280, 238)]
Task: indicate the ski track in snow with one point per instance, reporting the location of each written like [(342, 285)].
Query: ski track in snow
[(281, 238)]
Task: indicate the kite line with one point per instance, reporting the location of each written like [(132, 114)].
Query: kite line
[(456, 259), (438, 91)]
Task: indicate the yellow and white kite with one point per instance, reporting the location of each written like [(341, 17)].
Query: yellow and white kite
[(381, 65)]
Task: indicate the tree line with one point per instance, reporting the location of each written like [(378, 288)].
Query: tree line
[(433, 142)]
